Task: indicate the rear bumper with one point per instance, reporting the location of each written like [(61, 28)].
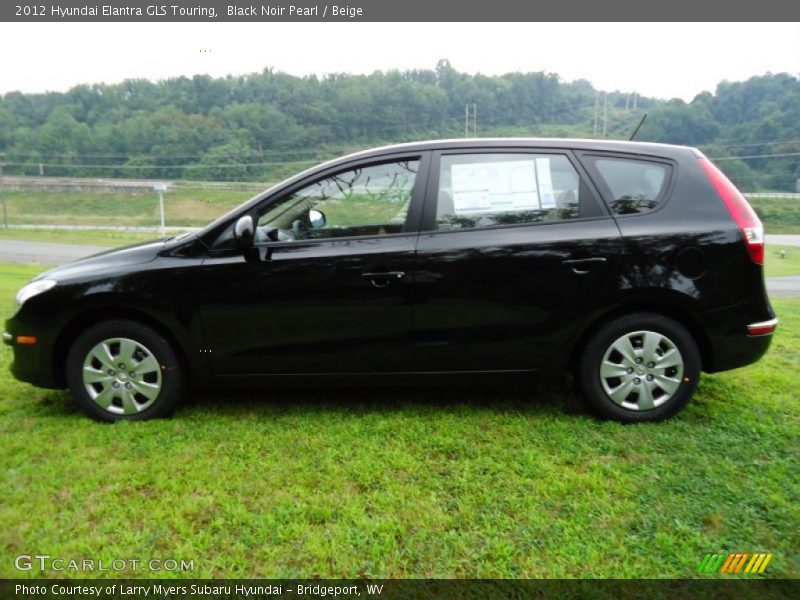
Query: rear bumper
[(733, 346), (739, 352)]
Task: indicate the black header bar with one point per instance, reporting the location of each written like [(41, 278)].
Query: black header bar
[(401, 11)]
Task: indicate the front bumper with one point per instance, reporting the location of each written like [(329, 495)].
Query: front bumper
[(33, 363)]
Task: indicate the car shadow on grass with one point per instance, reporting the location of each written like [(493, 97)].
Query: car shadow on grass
[(225, 402), (58, 403), (543, 399)]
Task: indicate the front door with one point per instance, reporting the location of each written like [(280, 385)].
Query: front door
[(327, 289)]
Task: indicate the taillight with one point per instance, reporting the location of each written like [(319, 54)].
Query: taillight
[(741, 211)]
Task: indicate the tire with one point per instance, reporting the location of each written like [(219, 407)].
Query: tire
[(627, 386), (149, 385)]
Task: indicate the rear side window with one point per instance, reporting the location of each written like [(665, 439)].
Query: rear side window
[(491, 190), (635, 186)]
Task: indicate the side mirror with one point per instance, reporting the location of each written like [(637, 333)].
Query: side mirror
[(244, 231), (316, 219)]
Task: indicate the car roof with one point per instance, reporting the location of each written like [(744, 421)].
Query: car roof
[(643, 148)]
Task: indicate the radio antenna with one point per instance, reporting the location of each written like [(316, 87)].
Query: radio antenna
[(635, 131)]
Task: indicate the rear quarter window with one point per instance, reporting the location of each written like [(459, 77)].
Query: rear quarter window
[(632, 186)]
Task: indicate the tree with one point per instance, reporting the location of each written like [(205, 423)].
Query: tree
[(139, 127)]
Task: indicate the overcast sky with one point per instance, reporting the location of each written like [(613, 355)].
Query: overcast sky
[(664, 60)]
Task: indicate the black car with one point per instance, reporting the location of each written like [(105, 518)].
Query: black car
[(633, 265)]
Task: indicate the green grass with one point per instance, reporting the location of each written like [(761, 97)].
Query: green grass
[(775, 266), (189, 206), (409, 482), (184, 207), (93, 237), (780, 215)]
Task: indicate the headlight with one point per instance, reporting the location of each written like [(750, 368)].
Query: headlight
[(34, 288)]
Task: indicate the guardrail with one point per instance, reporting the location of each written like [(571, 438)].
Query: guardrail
[(772, 195), (125, 228), (81, 184)]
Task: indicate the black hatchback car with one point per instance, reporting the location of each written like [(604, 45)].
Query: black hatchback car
[(633, 265)]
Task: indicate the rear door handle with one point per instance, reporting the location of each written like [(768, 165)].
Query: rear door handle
[(581, 266), (384, 278)]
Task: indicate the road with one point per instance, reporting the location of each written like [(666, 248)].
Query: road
[(20, 251), (783, 240), (24, 251), (789, 285), (784, 286)]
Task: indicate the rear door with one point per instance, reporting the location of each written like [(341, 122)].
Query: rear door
[(516, 252)]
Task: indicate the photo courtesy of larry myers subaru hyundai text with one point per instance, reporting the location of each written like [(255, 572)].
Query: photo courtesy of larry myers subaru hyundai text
[(632, 266)]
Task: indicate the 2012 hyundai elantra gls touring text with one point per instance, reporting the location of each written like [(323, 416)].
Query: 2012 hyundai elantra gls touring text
[(635, 266)]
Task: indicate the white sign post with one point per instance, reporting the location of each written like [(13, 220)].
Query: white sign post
[(161, 188)]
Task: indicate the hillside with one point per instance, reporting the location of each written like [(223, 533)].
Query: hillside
[(267, 125)]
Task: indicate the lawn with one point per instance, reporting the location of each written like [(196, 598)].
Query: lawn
[(92, 237), (775, 266), (780, 215), (190, 204), (496, 483), (183, 207)]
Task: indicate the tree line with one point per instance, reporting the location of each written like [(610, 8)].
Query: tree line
[(267, 125)]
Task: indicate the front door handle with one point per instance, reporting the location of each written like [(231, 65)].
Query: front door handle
[(581, 266), (383, 279)]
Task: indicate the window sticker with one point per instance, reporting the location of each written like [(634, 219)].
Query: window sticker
[(497, 186), (547, 196)]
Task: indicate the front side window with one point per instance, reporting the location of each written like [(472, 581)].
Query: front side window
[(489, 190), (636, 185), (370, 200)]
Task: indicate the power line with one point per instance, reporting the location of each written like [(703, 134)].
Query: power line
[(277, 163), (183, 166), (216, 155), (779, 155), (750, 144)]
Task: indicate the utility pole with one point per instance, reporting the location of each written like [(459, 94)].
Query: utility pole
[(474, 125), (627, 101), (596, 100), (605, 114), (2, 196), (634, 100), (161, 188)]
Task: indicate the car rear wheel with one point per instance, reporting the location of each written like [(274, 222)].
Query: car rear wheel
[(640, 367), (120, 369)]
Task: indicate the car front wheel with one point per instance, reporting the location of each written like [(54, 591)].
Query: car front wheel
[(640, 367), (121, 369)]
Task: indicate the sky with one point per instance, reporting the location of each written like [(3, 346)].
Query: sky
[(663, 60)]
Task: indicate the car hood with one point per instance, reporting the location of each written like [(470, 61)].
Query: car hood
[(128, 255)]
